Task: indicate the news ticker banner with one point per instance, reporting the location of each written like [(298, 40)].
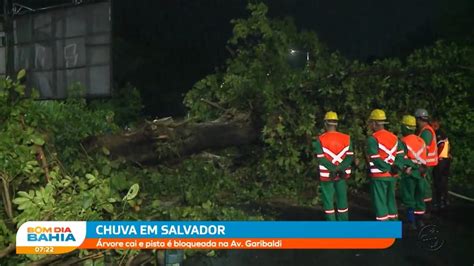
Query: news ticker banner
[(48, 237)]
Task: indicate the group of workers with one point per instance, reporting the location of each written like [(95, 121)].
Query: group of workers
[(410, 158)]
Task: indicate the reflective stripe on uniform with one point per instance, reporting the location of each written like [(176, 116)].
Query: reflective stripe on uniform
[(374, 169), (390, 153), (444, 153), (342, 210), (323, 174), (323, 171), (432, 157), (329, 211), (338, 157), (417, 155), (382, 218)]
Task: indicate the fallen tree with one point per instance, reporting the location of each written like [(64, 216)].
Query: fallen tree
[(165, 139)]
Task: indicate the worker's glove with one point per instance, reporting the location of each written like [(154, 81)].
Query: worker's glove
[(333, 174), (407, 170), (394, 170), (422, 169), (341, 174)]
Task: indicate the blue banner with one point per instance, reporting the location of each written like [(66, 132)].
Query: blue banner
[(241, 229)]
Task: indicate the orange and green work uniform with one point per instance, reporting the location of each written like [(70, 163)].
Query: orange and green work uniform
[(428, 135), (334, 152), (385, 154), (412, 186)]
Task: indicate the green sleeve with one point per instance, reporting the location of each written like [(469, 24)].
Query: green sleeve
[(372, 149), (406, 162), (318, 150), (346, 163), (400, 161), (426, 136)]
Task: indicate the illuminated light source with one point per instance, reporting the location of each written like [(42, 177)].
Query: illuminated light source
[(298, 59)]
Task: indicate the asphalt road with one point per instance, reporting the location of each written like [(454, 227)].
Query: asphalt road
[(447, 239)]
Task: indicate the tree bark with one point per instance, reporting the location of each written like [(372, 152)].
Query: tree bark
[(8, 250), (164, 139)]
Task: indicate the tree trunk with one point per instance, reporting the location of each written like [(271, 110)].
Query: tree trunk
[(164, 139)]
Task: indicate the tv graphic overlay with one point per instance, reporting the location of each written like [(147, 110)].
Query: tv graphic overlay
[(50, 237), (64, 237)]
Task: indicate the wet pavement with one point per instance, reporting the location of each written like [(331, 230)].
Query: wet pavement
[(447, 239)]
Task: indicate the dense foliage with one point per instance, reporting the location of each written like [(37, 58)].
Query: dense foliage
[(289, 103), (46, 173)]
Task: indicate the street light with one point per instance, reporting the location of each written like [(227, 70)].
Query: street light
[(298, 58)]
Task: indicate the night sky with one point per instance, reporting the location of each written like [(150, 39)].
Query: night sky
[(164, 46)]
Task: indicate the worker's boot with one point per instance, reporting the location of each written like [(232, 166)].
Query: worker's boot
[(411, 219)]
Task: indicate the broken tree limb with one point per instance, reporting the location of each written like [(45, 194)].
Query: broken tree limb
[(164, 139), (8, 250), (42, 160), (7, 200)]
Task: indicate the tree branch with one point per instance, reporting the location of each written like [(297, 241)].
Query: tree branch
[(42, 159), (163, 139), (7, 201), (8, 250), (213, 104)]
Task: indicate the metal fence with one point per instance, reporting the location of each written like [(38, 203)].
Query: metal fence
[(64, 46)]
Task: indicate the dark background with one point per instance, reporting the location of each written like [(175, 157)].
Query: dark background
[(164, 46)]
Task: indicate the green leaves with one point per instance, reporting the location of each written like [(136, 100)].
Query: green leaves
[(132, 192), (33, 203), (91, 178), (37, 140), (21, 74), (23, 202), (105, 151), (289, 104)]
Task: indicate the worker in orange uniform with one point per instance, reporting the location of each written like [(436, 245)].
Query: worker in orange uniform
[(412, 185), (334, 152), (385, 153), (427, 133)]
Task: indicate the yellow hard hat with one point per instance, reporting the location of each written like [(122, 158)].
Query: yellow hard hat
[(331, 116), (409, 121), (378, 115)]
